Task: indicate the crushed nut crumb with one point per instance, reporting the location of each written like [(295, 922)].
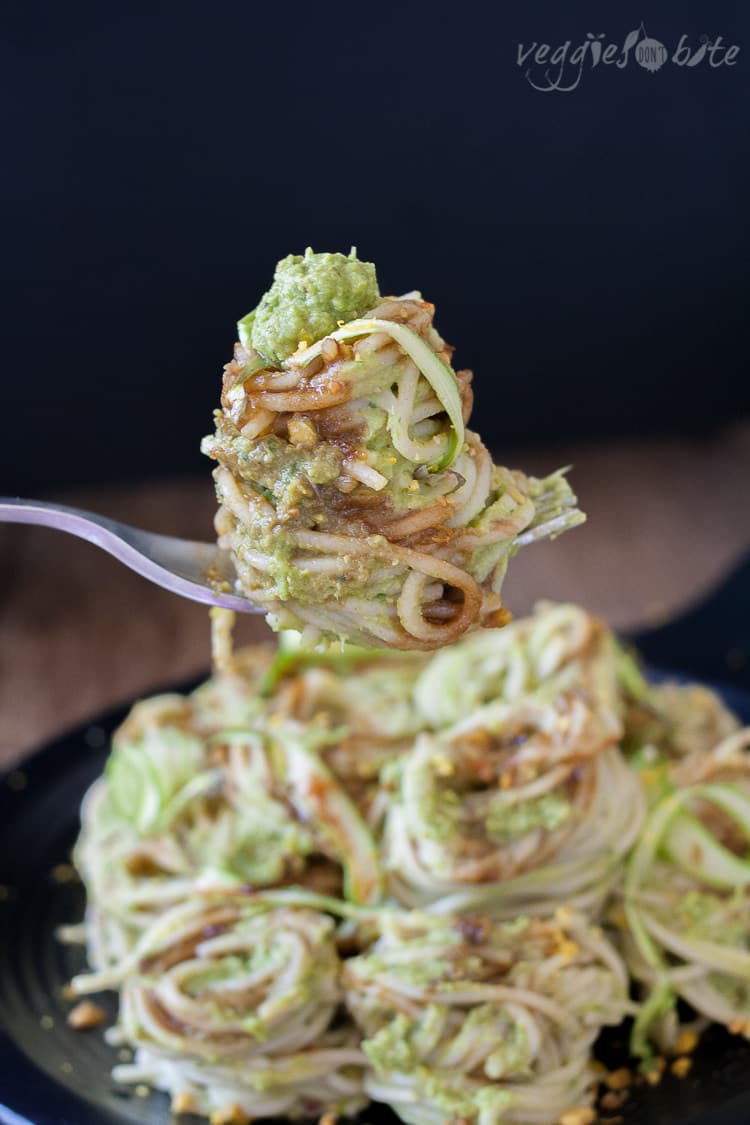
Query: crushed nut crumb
[(230, 1115), (183, 1103), (302, 432), (619, 1078), (63, 873), (329, 349), (578, 1115), (613, 1099), (497, 619), (680, 1067), (654, 1075), (687, 1041), (85, 1015), (568, 950)]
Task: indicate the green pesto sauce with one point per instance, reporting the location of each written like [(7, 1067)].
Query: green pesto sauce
[(426, 970), (310, 294), (512, 1056), (445, 1092), (264, 957), (391, 1048), (263, 850), (439, 807), (289, 477), (506, 821), (709, 916), (422, 973), (284, 474)]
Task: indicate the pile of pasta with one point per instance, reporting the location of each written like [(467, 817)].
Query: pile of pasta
[(425, 880)]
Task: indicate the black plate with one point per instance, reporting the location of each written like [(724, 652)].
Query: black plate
[(51, 1075)]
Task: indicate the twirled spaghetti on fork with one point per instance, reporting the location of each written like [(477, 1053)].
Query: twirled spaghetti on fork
[(353, 499)]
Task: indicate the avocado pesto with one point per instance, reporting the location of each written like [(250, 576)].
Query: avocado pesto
[(311, 295), (505, 821), (353, 500)]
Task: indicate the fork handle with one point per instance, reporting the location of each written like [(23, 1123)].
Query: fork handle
[(132, 547), (85, 525)]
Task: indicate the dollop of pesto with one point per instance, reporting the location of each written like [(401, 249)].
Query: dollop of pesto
[(390, 1048), (310, 294), (504, 821)]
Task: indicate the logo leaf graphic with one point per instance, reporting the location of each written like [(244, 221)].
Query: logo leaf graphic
[(698, 56), (630, 40)]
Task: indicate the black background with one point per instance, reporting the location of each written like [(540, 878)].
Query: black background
[(587, 251)]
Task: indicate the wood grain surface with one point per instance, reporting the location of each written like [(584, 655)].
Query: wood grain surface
[(79, 633)]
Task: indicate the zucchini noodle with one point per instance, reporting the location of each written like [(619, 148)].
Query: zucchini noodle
[(686, 923), (182, 807), (559, 647), (427, 879), (354, 502)]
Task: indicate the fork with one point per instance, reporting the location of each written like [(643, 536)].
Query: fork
[(201, 572)]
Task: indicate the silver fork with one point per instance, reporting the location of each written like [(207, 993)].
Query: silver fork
[(193, 570)]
